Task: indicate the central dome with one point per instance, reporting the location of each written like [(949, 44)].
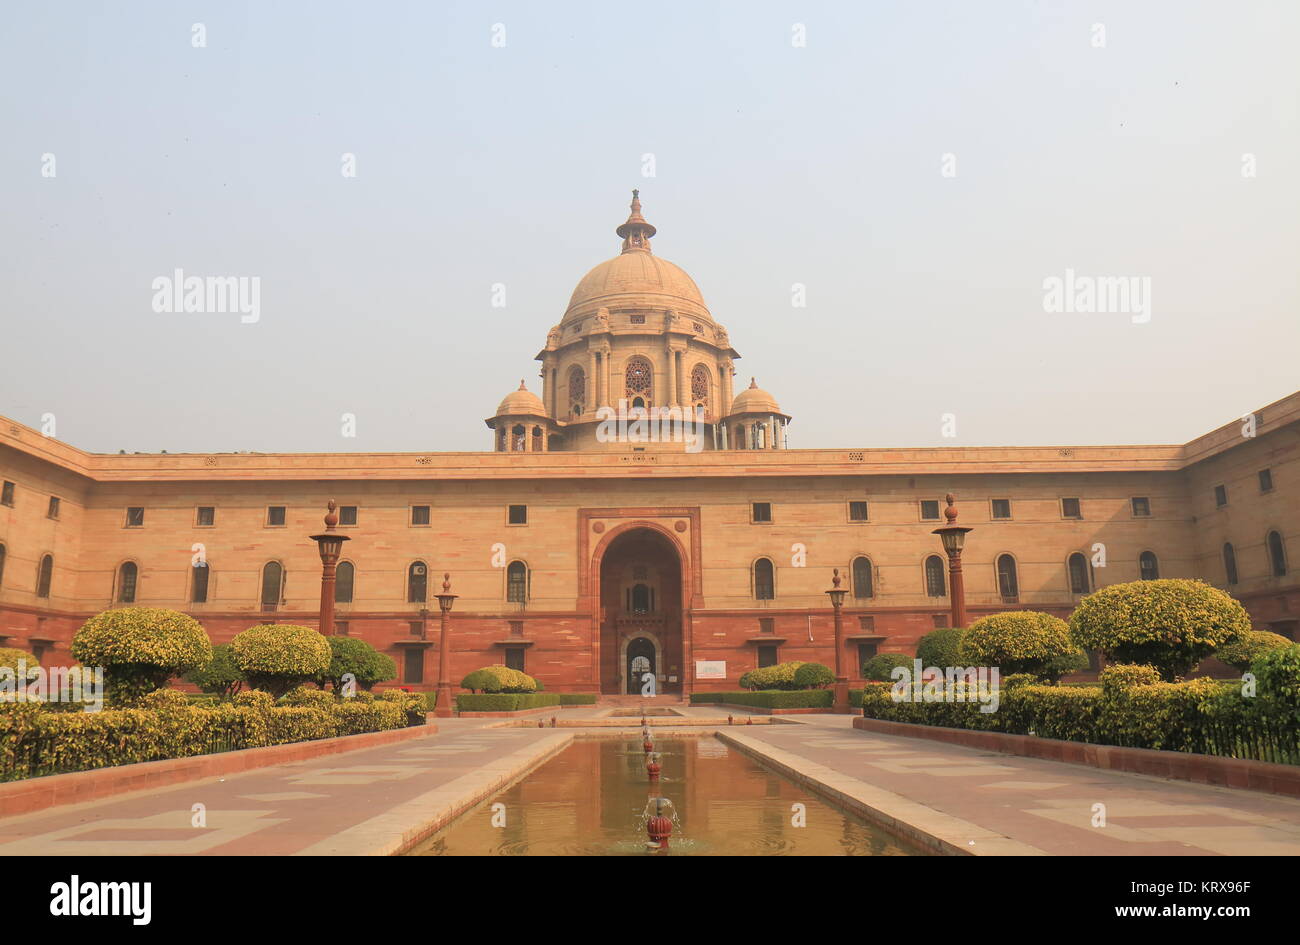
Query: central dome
[(632, 276)]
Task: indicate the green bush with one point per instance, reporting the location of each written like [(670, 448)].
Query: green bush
[(780, 676), (357, 657), (505, 701), (164, 699), (881, 665), (495, 679), (1118, 677), (1017, 679), (254, 699), (1243, 651), (813, 676), (1171, 624), (1019, 641), (10, 658), (941, 647), (219, 676), (412, 703), (303, 697), (1277, 674), (140, 648), (577, 698), (278, 657)]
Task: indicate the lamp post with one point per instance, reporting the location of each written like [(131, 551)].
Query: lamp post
[(836, 594), (330, 544), (953, 537), (442, 710)]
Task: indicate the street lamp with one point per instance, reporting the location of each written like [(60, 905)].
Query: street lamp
[(442, 708), (836, 594), (330, 544), (953, 537)]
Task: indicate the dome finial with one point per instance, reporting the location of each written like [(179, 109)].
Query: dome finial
[(636, 232), (753, 383), (521, 384)]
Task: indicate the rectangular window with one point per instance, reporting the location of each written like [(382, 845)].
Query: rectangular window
[(929, 510), (1001, 508), (857, 511), (134, 517), (867, 623), (1220, 496), (766, 624), (767, 656), (53, 510), (419, 515), (761, 512), (1141, 506), (199, 586), (341, 627), (1265, 483), (347, 514), (940, 621), (865, 652), (275, 515), (517, 515), (1070, 508), (413, 668), (7, 493), (515, 658), (415, 628), (207, 515)]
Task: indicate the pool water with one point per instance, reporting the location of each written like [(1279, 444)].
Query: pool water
[(590, 800)]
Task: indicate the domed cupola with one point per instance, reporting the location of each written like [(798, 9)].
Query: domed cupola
[(756, 421), (521, 423)]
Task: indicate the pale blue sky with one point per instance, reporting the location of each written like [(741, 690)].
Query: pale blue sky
[(774, 165)]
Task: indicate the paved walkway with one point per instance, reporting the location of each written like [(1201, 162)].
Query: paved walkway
[(369, 801)]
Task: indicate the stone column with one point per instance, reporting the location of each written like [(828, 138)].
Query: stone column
[(671, 399)]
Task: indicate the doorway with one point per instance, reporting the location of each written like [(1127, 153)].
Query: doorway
[(641, 659)]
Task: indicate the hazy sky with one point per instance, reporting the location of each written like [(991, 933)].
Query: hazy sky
[(775, 164)]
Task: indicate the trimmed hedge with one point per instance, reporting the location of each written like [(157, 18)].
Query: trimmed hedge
[(770, 698), (36, 742), (505, 701), (780, 676), (498, 678), (577, 698)]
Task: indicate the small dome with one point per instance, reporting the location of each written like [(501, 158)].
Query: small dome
[(521, 402), (754, 399)]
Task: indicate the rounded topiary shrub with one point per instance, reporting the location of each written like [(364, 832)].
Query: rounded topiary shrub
[(367, 666), (813, 676), (1243, 651), (498, 679), (1020, 641), (1171, 624), (780, 676), (11, 658), (1119, 677), (277, 657), (879, 667), (219, 676), (1277, 674), (940, 647), (140, 649)]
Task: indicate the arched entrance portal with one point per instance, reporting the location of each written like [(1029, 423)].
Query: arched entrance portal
[(641, 612)]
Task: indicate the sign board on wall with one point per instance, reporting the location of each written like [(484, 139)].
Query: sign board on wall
[(710, 669)]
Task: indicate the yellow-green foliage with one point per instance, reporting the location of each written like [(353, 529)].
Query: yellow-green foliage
[(10, 657), (1240, 653), (780, 676), (140, 648), (277, 657), (1171, 624), (1117, 677), (1019, 641), (498, 678)]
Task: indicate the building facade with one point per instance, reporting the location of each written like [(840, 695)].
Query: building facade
[(638, 514)]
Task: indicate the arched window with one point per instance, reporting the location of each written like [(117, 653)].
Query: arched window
[(44, 576), (417, 583), (639, 376), (2, 565), (518, 438), (863, 587), (517, 582), (344, 578), (1148, 566), (1008, 586), (936, 585), (199, 583), (537, 439), (1229, 563), (126, 580), (1080, 579), (701, 385), (1276, 553), (577, 390), (272, 585), (764, 580)]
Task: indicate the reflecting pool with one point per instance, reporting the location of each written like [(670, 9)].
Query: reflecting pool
[(591, 799)]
